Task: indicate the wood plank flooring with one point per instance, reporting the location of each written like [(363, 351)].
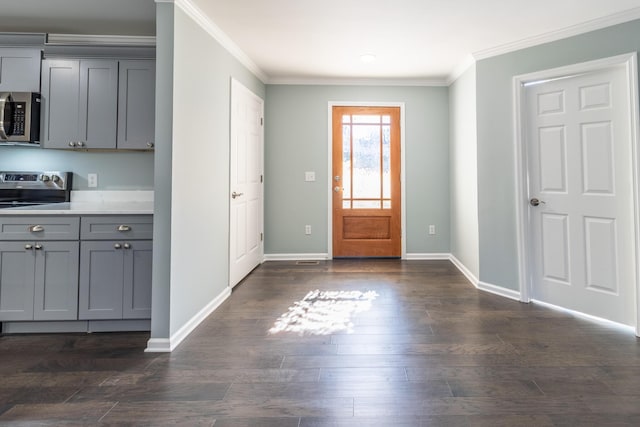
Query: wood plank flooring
[(388, 343)]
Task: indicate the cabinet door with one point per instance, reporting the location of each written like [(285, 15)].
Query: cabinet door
[(17, 278), (99, 103), (56, 283), (137, 280), (101, 281), (19, 70), (136, 104), (60, 102)]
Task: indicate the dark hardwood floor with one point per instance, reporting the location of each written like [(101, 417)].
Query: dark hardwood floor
[(384, 343)]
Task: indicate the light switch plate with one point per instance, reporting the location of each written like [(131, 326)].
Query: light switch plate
[(309, 176)]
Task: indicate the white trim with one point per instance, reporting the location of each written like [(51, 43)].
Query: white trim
[(163, 345), (588, 317), (427, 257), (464, 270), (403, 190), (574, 30), (319, 81), (207, 24), (520, 159), (99, 40), (296, 257), (500, 291)]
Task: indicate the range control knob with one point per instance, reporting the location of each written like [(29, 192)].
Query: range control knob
[(55, 179), (45, 178)]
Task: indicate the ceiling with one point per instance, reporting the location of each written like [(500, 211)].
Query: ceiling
[(414, 41)]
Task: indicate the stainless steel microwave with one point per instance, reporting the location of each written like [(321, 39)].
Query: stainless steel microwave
[(20, 118)]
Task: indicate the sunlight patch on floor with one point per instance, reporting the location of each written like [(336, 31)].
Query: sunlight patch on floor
[(324, 312)]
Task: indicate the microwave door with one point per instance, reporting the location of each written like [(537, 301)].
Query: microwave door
[(6, 115)]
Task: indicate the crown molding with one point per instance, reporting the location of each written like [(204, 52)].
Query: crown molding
[(207, 24), (468, 62), (319, 81), (99, 40), (574, 30)]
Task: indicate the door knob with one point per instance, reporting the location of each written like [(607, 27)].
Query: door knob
[(336, 189), (536, 202), (235, 195)]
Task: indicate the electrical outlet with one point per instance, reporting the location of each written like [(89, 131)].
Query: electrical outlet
[(307, 229), (92, 180), (432, 229)]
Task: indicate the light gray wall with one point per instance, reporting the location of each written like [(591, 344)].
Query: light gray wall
[(496, 171), (463, 155), (161, 283), (199, 170), (296, 140), (116, 170)]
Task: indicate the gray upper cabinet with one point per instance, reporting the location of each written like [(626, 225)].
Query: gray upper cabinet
[(136, 104), (99, 103), (19, 69), (80, 103), (60, 103)]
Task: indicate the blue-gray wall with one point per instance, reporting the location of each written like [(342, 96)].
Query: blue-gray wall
[(463, 188), (296, 140), (496, 170), (192, 169), (116, 170)]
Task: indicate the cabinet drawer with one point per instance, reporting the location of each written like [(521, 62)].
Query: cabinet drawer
[(39, 228), (116, 227)]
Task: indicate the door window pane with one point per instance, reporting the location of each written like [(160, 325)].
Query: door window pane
[(366, 162), (346, 162), (362, 119), (366, 204), (386, 162)]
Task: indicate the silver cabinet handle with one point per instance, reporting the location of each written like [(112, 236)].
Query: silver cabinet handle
[(72, 144), (117, 246), (150, 145), (28, 246), (38, 247), (235, 195), (80, 144), (127, 246), (36, 228), (124, 228)]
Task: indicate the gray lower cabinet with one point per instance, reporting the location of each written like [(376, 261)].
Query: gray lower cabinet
[(115, 269), (39, 280)]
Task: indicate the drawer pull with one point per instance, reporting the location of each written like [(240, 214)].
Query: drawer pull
[(124, 228), (36, 228)]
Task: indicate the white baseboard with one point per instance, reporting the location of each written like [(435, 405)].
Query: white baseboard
[(427, 257), (464, 270), (499, 290), (164, 345), (296, 257)]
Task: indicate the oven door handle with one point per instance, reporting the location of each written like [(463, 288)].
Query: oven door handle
[(5, 122)]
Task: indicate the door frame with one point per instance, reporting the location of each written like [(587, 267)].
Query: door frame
[(524, 233), (403, 202)]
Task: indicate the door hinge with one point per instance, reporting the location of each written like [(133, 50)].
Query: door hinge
[(261, 237), (261, 121), (261, 179)]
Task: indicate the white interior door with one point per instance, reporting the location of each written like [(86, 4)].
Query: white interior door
[(579, 146), (246, 249)]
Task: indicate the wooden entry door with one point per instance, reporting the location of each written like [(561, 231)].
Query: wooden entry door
[(366, 182)]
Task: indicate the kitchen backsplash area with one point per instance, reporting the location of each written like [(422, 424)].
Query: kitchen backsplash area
[(115, 170)]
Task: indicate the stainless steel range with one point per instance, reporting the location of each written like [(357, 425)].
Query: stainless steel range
[(27, 188)]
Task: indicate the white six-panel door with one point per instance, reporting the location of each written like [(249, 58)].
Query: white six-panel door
[(246, 188), (579, 150)]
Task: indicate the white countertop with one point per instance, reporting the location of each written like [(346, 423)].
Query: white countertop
[(93, 203)]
